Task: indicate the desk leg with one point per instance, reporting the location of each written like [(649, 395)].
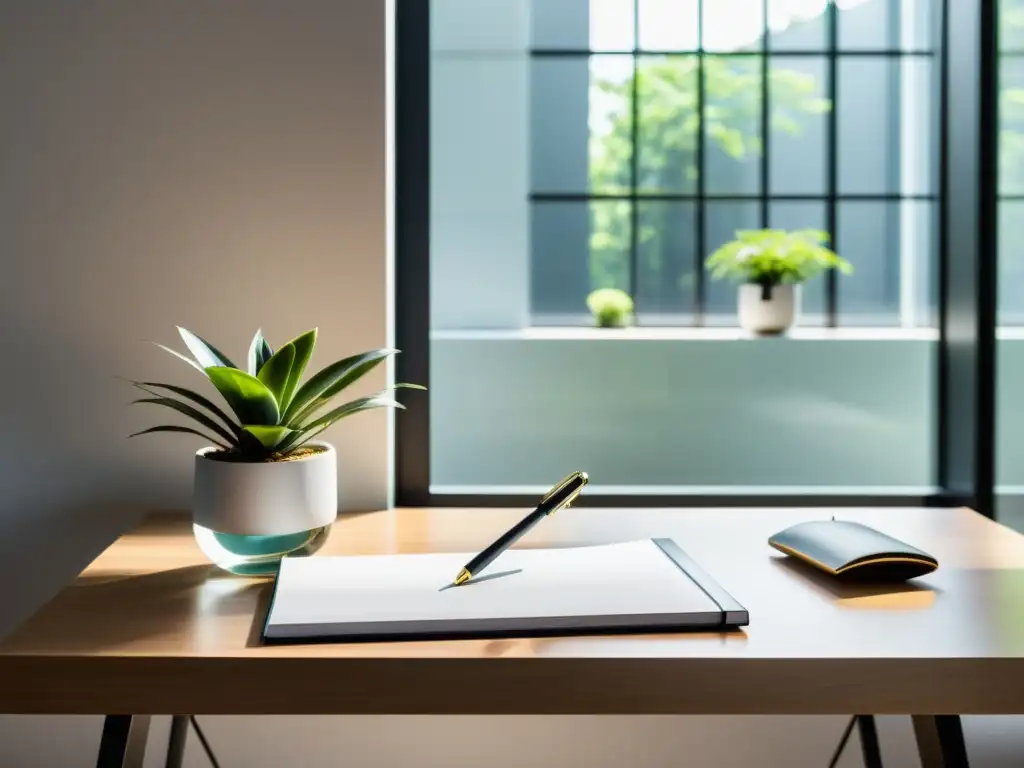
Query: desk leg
[(940, 741), (123, 743), (176, 743), (869, 745)]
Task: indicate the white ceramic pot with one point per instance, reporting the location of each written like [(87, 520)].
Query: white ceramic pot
[(772, 315), (247, 516), (266, 498)]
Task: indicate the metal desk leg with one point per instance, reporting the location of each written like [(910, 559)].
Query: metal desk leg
[(869, 746), (940, 741), (176, 743), (123, 743)]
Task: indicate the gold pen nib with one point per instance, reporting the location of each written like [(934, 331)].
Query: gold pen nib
[(463, 577)]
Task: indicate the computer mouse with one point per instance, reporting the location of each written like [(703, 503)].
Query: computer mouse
[(853, 551)]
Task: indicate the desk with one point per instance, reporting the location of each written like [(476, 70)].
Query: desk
[(150, 627)]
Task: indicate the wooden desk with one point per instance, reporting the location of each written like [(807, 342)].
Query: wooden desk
[(150, 627)]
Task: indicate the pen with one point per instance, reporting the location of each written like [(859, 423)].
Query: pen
[(560, 496)]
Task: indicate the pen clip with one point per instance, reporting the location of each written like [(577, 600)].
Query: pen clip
[(566, 481)]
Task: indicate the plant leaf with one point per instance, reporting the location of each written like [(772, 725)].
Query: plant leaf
[(276, 370), (375, 358), (255, 348), (304, 345), (183, 430), (195, 397), (305, 434), (259, 353), (248, 397), (192, 413), (205, 353), (180, 356), (298, 438), (332, 380), (379, 400), (250, 448), (320, 402), (269, 437)]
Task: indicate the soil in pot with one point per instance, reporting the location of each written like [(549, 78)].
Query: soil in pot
[(297, 455)]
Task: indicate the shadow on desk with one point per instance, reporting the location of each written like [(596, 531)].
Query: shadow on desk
[(150, 606), (899, 596)]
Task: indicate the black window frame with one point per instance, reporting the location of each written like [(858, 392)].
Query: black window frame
[(965, 417)]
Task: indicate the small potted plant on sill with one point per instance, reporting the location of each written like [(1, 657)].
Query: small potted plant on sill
[(771, 264), (264, 488), (611, 308)]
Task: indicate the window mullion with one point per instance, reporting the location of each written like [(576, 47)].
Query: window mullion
[(832, 180), (765, 114), (700, 251), (634, 170)]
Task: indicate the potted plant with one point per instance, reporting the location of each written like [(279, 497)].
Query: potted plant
[(610, 307), (264, 488), (771, 264)]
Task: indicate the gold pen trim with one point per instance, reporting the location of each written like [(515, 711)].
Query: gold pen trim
[(463, 577), (568, 479)]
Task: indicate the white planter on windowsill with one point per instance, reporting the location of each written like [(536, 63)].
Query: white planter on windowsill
[(768, 310)]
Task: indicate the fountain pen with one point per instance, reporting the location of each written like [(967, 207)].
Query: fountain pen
[(562, 495)]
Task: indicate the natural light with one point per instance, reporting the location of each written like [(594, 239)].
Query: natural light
[(672, 24)]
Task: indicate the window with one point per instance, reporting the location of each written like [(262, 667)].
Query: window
[(1010, 306), (574, 144), (659, 127), (1011, 161)]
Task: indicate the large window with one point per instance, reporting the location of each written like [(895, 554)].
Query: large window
[(579, 144), (1011, 161), (1010, 421), (659, 127)]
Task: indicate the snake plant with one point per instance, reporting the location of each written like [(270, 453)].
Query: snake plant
[(273, 413)]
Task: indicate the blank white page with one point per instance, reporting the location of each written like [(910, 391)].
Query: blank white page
[(614, 585)]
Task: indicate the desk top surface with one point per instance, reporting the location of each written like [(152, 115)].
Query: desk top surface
[(150, 626)]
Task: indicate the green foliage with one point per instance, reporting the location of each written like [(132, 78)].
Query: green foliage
[(1011, 136), (610, 307), (259, 353), (775, 256), (666, 155), (272, 414)]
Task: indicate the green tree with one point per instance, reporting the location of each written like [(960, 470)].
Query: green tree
[(668, 121), (1011, 98), (1011, 151)]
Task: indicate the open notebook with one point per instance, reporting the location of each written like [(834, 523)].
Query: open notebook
[(638, 585)]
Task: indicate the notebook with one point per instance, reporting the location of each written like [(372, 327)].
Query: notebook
[(641, 586)]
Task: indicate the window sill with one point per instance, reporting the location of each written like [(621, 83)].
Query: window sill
[(686, 334), (757, 491)]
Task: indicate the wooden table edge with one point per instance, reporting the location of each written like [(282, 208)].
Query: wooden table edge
[(506, 686)]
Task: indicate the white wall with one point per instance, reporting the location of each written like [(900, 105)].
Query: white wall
[(214, 165)]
